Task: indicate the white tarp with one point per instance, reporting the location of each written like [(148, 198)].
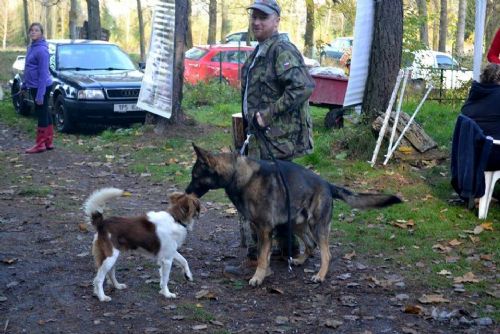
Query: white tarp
[(479, 37), (156, 88), (363, 34)]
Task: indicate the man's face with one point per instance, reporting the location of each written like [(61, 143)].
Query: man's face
[(263, 25)]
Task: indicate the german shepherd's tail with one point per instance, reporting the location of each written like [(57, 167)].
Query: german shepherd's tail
[(94, 206), (363, 200)]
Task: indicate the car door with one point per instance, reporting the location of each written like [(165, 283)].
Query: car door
[(193, 69)]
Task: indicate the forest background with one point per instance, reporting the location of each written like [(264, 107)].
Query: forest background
[(444, 25)]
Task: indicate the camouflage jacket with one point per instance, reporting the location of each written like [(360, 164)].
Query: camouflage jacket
[(279, 86)]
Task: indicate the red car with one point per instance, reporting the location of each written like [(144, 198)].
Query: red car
[(203, 63)]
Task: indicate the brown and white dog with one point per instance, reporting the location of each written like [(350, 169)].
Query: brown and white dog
[(159, 233)]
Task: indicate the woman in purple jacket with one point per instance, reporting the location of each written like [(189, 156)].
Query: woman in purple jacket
[(38, 80)]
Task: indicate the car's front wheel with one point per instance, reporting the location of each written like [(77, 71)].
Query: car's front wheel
[(63, 120), (20, 106)]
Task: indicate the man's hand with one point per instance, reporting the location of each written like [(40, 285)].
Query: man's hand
[(260, 120)]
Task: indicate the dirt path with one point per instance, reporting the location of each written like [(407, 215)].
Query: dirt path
[(46, 270)]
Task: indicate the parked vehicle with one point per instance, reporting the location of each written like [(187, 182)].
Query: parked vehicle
[(18, 65), (335, 49), (240, 38), (94, 82), (204, 63), (439, 68)]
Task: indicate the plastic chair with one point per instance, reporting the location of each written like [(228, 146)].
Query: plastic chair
[(490, 178)]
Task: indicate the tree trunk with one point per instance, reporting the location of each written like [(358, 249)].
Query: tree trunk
[(26, 21), (424, 29), (212, 22), (459, 42), (309, 35), (435, 26), (141, 30), (443, 25), (385, 57), (73, 19), (94, 20), (189, 33), (225, 26), (5, 28)]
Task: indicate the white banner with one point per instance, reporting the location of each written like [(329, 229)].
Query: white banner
[(360, 61), (156, 88)]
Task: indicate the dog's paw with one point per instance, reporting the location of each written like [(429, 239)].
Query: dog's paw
[(188, 276), (104, 298), (255, 281), (168, 294), (120, 286), (317, 279)]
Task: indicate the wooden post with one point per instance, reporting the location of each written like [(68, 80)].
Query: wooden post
[(237, 130)]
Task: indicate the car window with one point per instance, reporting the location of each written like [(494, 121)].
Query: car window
[(195, 53), (237, 37), (445, 62), (93, 57)]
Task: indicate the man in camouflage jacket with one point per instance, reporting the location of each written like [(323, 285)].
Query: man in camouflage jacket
[(276, 86), (276, 90)]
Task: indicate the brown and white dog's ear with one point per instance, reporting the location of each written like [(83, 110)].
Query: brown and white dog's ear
[(183, 206), (194, 205)]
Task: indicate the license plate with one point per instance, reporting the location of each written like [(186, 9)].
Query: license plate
[(124, 107)]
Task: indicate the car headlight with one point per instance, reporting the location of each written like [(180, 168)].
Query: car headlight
[(91, 94)]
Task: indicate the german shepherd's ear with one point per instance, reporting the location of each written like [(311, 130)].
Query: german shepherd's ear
[(202, 155)]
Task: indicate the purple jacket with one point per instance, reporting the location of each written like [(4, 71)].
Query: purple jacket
[(36, 68)]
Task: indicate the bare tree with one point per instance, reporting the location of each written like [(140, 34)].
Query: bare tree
[(94, 20), (385, 56), (309, 35), (424, 29), (141, 30), (189, 33), (435, 25), (225, 24), (459, 41), (26, 21), (443, 25), (212, 22), (5, 24), (73, 19)]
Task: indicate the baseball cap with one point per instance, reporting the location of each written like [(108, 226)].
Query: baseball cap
[(266, 6)]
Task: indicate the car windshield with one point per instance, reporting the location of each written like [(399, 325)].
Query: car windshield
[(92, 57), (195, 53)]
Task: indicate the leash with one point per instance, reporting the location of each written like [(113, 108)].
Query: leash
[(260, 135)]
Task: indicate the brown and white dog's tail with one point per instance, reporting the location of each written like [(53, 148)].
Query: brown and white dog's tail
[(96, 203)]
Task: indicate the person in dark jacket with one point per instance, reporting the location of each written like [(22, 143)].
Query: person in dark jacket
[(483, 106), (37, 80)]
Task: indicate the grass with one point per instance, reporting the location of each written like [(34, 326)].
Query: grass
[(340, 156)]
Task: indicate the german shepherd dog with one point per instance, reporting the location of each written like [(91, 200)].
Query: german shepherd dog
[(256, 190)]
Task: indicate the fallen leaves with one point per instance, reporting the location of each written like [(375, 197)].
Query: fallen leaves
[(413, 309), (205, 294), (403, 224), (467, 278), (433, 299)]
